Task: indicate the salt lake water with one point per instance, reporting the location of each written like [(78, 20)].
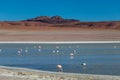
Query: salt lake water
[(100, 58)]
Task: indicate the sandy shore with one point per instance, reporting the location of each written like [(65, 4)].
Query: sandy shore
[(60, 35), (8, 73)]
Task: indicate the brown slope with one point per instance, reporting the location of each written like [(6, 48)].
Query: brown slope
[(57, 21)]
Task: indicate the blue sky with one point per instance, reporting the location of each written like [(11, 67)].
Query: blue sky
[(84, 10)]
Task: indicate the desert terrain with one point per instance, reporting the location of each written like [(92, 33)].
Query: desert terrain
[(58, 29)]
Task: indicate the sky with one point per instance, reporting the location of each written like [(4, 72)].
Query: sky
[(83, 10)]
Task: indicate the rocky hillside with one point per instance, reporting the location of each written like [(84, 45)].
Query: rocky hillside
[(57, 21), (53, 20)]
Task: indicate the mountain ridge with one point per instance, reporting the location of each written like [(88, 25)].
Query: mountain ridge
[(58, 21), (52, 20)]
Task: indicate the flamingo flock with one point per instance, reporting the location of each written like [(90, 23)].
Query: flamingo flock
[(56, 50), (59, 66)]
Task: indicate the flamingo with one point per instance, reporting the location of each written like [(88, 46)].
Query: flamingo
[(53, 51), (71, 54), (26, 50), (57, 51), (60, 68), (74, 51), (39, 46), (39, 50), (57, 47), (84, 64), (0, 50), (19, 52)]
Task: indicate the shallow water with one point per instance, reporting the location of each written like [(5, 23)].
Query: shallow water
[(101, 58)]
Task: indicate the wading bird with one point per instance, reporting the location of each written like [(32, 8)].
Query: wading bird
[(60, 68)]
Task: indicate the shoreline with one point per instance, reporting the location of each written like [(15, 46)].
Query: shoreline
[(56, 42), (32, 74)]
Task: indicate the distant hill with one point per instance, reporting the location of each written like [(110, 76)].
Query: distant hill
[(58, 21), (53, 20)]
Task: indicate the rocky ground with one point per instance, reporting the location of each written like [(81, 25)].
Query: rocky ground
[(8, 73)]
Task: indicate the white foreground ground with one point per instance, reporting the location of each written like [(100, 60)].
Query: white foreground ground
[(8, 73)]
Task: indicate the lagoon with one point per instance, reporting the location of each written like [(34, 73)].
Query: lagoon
[(101, 58)]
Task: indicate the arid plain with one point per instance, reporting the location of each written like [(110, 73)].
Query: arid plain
[(55, 28), (60, 35)]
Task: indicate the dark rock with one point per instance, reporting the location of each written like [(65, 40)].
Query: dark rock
[(53, 20)]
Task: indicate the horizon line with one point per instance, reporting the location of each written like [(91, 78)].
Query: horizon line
[(75, 19), (16, 20), (55, 42)]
